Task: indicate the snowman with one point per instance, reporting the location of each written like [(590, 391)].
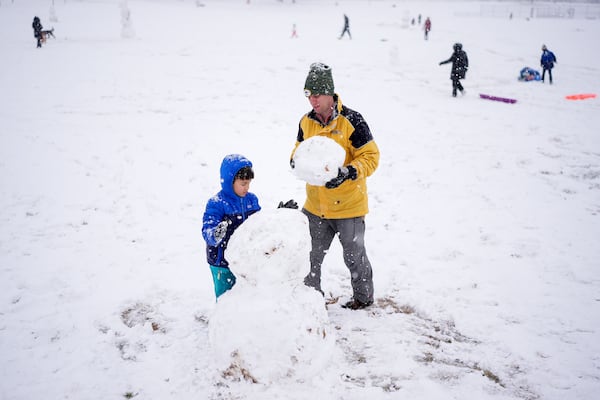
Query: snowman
[(270, 326)]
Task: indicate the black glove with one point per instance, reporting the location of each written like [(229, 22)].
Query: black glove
[(344, 173), (292, 163), (289, 204)]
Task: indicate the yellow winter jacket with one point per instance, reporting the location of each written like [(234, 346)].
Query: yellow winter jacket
[(349, 129)]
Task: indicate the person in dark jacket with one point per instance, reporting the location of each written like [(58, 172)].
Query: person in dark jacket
[(346, 27), (225, 212), (547, 62), (37, 31), (460, 65)]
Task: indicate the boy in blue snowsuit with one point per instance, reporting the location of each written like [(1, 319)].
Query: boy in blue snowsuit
[(547, 62), (225, 212)]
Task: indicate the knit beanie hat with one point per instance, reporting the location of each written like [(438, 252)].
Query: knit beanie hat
[(319, 80)]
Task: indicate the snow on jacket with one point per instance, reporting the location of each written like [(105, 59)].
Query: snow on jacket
[(226, 206), (548, 59), (349, 129), (460, 64)]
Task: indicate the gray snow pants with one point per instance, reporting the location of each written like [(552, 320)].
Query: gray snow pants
[(351, 233)]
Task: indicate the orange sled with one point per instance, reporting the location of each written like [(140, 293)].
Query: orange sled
[(582, 96)]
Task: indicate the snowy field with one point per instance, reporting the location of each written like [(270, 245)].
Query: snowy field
[(483, 226)]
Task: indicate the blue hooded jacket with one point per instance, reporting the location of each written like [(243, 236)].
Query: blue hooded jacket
[(548, 59), (226, 206)]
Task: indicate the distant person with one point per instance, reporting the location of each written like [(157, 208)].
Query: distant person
[(460, 65), (346, 27), (294, 33), (547, 62), (529, 74), (419, 19), (427, 28), (37, 31)]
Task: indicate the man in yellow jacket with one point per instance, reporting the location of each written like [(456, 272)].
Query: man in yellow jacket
[(340, 206)]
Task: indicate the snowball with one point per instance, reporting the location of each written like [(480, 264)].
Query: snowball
[(317, 160), (271, 247), (282, 332)]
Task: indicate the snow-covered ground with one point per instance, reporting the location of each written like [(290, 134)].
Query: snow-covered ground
[(483, 230)]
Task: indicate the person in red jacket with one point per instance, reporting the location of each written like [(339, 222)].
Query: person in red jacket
[(427, 28)]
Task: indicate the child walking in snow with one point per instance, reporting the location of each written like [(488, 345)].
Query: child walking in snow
[(426, 27), (225, 212)]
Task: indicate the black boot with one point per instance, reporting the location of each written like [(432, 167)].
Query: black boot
[(357, 305)]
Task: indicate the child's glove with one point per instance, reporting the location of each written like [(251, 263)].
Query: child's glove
[(289, 204), (344, 173), (221, 231)]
